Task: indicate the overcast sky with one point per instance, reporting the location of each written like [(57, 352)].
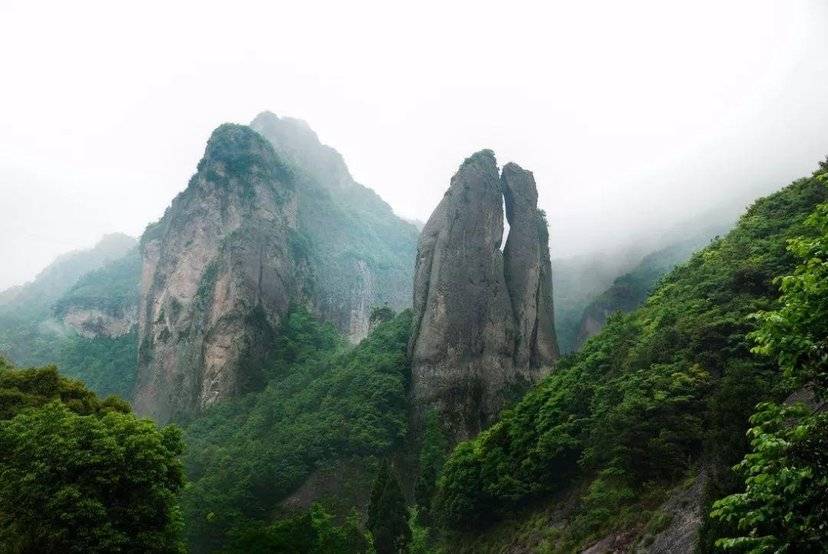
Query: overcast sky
[(631, 114)]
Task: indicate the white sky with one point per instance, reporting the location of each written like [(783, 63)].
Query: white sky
[(631, 114)]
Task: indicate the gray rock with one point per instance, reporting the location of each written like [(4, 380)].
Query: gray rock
[(471, 351), (217, 277), (271, 219), (528, 270)]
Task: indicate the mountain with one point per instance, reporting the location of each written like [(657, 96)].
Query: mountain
[(626, 445), (272, 219), (483, 321), (630, 290), (37, 296), (30, 332)]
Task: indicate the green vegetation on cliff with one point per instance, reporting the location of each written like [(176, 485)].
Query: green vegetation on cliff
[(323, 404), (656, 395), (784, 504), (103, 282)]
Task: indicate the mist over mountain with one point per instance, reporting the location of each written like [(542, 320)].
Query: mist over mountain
[(385, 278)]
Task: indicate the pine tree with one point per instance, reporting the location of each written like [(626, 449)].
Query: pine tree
[(432, 457), (387, 515)]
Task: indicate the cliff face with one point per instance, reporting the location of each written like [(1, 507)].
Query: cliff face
[(271, 218), (483, 328), (528, 270), (218, 273), (361, 254)]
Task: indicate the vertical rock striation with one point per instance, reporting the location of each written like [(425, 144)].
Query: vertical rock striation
[(483, 327), (217, 275), (272, 218), (528, 270)]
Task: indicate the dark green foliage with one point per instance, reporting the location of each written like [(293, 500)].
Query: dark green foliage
[(387, 514), (381, 314), (105, 365), (110, 289), (433, 455), (647, 398), (629, 291), (322, 403), (32, 388), (784, 506), (238, 150), (80, 474), (313, 532)]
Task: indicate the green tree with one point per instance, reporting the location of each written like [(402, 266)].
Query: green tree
[(784, 506), (432, 457), (81, 475), (387, 514)]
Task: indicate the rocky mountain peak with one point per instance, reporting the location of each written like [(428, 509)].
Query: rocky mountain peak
[(296, 143), (238, 148), (270, 219), (483, 326)]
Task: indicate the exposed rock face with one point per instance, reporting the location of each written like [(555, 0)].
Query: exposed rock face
[(93, 322), (528, 270), (361, 253), (271, 218), (218, 274), (482, 332)]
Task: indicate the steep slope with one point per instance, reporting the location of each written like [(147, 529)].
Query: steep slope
[(218, 274), (104, 302), (528, 270), (659, 396), (361, 254), (36, 298), (30, 334), (482, 319), (313, 434), (630, 290), (271, 219)]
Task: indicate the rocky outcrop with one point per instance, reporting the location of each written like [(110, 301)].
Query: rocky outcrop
[(272, 218), (91, 323), (218, 273), (483, 328), (528, 270)]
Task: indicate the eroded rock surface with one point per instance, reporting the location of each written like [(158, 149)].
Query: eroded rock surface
[(483, 329), (271, 219), (217, 276), (528, 270)]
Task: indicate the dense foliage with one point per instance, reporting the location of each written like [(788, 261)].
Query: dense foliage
[(784, 506), (78, 474), (312, 532), (387, 514), (323, 404), (650, 397)]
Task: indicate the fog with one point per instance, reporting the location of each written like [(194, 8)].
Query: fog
[(634, 116)]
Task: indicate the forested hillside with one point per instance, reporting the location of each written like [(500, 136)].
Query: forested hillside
[(314, 433), (660, 397), (78, 313), (631, 289)]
